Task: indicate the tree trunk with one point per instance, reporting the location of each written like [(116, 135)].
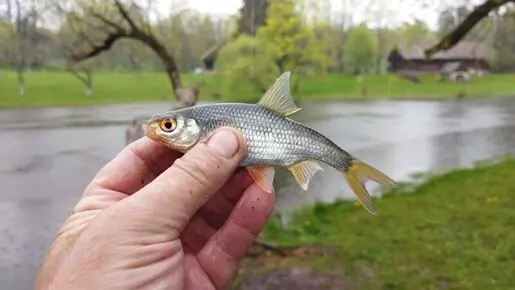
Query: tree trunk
[(21, 81), (89, 83)]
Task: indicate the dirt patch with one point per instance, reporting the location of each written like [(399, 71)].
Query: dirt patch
[(296, 278), (275, 268)]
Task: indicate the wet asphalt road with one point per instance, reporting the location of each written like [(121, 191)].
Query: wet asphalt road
[(49, 155)]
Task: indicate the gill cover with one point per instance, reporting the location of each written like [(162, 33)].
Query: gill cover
[(173, 130)]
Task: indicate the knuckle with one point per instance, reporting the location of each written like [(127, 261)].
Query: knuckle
[(197, 169)]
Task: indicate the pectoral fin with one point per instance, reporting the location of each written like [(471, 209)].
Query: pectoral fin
[(263, 176), (304, 171), (278, 98)]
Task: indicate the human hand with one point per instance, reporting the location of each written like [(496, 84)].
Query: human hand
[(143, 223)]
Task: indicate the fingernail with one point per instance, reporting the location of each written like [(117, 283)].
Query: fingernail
[(225, 142)]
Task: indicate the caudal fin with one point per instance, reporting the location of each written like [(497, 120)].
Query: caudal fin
[(357, 174)]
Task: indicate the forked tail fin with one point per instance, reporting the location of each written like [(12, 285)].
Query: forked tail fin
[(357, 174)]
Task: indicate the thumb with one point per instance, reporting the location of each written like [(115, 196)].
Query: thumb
[(182, 189)]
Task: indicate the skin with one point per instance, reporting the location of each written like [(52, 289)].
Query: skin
[(151, 219)]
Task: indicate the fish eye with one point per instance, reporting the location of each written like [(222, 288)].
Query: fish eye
[(168, 125)]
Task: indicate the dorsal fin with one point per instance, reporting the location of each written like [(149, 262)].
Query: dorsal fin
[(278, 98)]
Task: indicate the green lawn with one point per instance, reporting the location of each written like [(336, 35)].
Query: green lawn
[(455, 231), (61, 89)]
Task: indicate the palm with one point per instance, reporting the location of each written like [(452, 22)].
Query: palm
[(201, 236)]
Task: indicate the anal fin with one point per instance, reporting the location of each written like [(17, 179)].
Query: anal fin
[(263, 176), (304, 171)]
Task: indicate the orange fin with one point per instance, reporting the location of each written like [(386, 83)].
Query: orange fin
[(263, 175), (304, 171)]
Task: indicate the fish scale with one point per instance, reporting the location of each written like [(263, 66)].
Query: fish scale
[(272, 139)]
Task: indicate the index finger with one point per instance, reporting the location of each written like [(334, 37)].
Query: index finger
[(134, 167)]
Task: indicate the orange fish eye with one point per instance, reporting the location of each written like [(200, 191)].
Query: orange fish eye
[(168, 125)]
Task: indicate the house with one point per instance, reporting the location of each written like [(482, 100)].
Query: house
[(464, 56), (209, 57)]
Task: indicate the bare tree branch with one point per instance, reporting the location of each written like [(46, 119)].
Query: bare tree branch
[(126, 15), (115, 31), (108, 22), (470, 21), (108, 42)]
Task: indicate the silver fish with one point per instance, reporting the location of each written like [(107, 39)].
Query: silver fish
[(272, 139)]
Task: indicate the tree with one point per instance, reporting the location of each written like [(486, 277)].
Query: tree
[(248, 62), (320, 44), (5, 38), (449, 18), (297, 47), (186, 33), (360, 49), (416, 34), (253, 14), (504, 41), (83, 70), (378, 14), (21, 18), (102, 24), (478, 13), (294, 42)]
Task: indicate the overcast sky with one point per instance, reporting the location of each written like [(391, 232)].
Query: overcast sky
[(226, 7)]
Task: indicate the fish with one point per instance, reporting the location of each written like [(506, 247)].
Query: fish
[(272, 139)]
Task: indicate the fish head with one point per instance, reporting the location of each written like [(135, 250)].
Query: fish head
[(174, 130)]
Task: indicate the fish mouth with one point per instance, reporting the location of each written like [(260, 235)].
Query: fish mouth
[(149, 130), (144, 128)]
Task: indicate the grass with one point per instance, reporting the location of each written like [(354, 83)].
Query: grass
[(455, 231), (63, 89)]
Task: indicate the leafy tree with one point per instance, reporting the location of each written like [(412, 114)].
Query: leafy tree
[(295, 43), (360, 49), (248, 62), (319, 50), (5, 39), (416, 34)]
